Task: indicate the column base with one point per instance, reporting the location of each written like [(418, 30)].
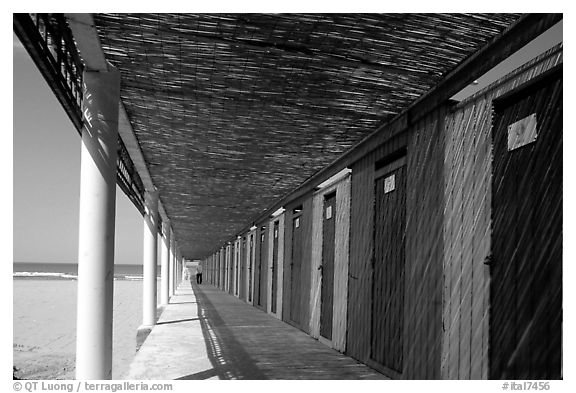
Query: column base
[(142, 334)]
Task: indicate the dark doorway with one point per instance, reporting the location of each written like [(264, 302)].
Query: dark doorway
[(262, 263), (275, 267), (295, 266), (388, 266), (525, 333), (327, 267)]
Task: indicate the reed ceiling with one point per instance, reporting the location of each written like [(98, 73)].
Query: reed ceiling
[(232, 112)]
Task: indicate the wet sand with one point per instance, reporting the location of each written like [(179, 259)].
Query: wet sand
[(45, 327)]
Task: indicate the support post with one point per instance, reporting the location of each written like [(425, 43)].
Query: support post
[(164, 297), (171, 265), (149, 264), (96, 224)]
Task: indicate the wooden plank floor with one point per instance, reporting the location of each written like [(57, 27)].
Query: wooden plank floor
[(207, 334)]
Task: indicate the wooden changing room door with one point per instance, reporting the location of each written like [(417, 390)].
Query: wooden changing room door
[(295, 266), (525, 333), (275, 266), (327, 267), (250, 266), (388, 266), (261, 299)]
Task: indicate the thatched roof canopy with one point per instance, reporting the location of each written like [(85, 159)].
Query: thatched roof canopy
[(232, 112)]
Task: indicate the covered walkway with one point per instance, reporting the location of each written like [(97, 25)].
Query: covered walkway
[(205, 333)]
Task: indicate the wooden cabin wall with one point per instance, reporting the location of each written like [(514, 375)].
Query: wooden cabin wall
[(210, 262), (316, 261), (361, 249), (281, 264), (217, 269), (256, 266), (243, 269), (251, 257), (237, 245), (341, 263), (467, 225), (260, 268), (211, 268), (205, 273), (222, 268), (340, 296), (302, 309), (230, 263), (424, 249), (269, 256), (265, 269), (419, 356)]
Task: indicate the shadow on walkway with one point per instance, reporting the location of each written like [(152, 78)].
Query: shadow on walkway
[(226, 354)]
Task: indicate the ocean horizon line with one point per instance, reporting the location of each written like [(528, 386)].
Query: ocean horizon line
[(69, 271)]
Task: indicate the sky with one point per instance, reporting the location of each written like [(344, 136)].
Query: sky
[(46, 183), (46, 170)]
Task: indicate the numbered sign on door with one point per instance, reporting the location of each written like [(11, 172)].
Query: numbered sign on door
[(389, 184)]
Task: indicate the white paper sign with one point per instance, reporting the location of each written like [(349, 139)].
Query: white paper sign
[(329, 212), (389, 184), (522, 132)]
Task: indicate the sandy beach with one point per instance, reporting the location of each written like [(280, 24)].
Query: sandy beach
[(45, 327)]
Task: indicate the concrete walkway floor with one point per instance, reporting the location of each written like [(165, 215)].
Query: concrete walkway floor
[(205, 333)]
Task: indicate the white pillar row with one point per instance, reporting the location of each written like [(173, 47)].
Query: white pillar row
[(171, 264), (149, 263), (96, 224), (179, 270), (164, 297), (176, 265)]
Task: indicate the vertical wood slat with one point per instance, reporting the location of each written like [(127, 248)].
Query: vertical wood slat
[(296, 268), (287, 258), (237, 245), (526, 269), (251, 259), (387, 338), (230, 256), (262, 267), (305, 277), (467, 225), (327, 280), (280, 278), (341, 258), (341, 261), (361, 249), (272, 270), (316, 276), (257, 266), (424, 249), (217, 262), (297, 272), (223, 269), (243, 268)]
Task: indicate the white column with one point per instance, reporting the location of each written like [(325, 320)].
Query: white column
[(183, 269), (164, 297), (149, 263), (96, 227), (171, 264), (179, 270)]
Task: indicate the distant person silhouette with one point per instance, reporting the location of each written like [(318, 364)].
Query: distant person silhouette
[(199, 274)]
